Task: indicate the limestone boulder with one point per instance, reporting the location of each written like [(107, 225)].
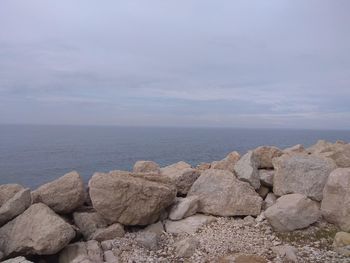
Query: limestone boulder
[(63, 195), (7, 191), (146, 167), (221, 193), (228, 163), (335, 206), (246, 169), (82, 252), (188, 225), (291, 212), (303, 174), (266, 177), (265, 154), (38, 230), (14, 206), (182, 175), (184, 207), (130, 199)]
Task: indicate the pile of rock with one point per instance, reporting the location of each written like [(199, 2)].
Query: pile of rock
[(287, 189)]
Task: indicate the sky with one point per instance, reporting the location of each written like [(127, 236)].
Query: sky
[(225, 63)]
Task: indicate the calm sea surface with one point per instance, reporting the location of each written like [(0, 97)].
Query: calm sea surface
[(33, 155)]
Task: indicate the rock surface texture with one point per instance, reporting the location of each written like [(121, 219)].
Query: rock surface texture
[(184, 207), (246, 169), (265, 154), (228, 163), (146, 167)]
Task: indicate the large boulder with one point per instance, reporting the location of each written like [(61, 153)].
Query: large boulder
[(303, 174), (221, 193), (15, 206), (82, 252), (63, 195), (184, 207), (265, 154), (182, 175), (291, 212), (7, 191), (146, 167), (335, 206), (130, 199), (189, 225), (228, 163), (36, 231), (88, 223), (246, 169)]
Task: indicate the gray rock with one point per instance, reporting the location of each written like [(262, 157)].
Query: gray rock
[(17, 260), (301, 174), (146, 167), (82, 252), (228, 163), (184, 207), (270, 200), (185, 248), (291, 212), (110, 232), (14, 206), (221, 193), (88, 223), (63, 195), (7, 191), (246, 169), (341, 243), (286, 253), (189, 225), (130, 199), (109, 257), (263, 191), (148, 240), (156, 228), (336, 199), (265, 154), (38, 230), (266, 177)]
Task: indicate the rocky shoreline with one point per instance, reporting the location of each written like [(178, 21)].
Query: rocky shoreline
[(269, 205)]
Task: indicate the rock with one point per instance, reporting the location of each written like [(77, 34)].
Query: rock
[(221, 193), (286, 253), (189, 225), (263, 191), (265, 154), (336, 199), (320, 147), (241, 258), (107, 244), (156, 228), (341, 243), (146, 167), (7, 191), (270, 200), (148, 240), (186, 247), (110, 232), (227, 163), (14, 206), (299, 148), (110, 257), (266, 177), (291, 212), (246, 169), (301, 174), (203, 166), (88, 223), (182, 175), (184, 207), (87, 252), (130, 199), (63, 195), (17, 260), (38, 230)]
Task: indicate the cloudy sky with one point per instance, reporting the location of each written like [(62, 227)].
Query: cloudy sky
[(271, 63)]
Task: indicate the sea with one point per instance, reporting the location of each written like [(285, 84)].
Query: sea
[(32, 155)]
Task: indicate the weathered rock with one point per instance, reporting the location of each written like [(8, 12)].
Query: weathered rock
[(63, 195), (185, 248), (221, 193), (299, 148), (266, 177), (156, 228), (189, 225), (182, 175), (263, 191), (148, 240), (203, 166), (111, 232), (303, 174), (87, 252), (291, 212), (109, 257), (341, 243), (228, 163), (184, 207), (17, 260), (246, 169), (320, 147), (7, 191), (15, 206), (335, 206), (286, 253), (270, 200), (130, 199), (241, 258), (146, 167), (36, 231), (88, 223), (265, 154)]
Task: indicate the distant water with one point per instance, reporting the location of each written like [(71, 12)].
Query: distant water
[(32, 155)]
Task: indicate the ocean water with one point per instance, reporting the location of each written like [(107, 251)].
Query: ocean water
[(32, 155)]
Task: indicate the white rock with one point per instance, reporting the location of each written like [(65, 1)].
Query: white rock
[(17, 260), (189, 225), (246, 169), (184, 207)]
